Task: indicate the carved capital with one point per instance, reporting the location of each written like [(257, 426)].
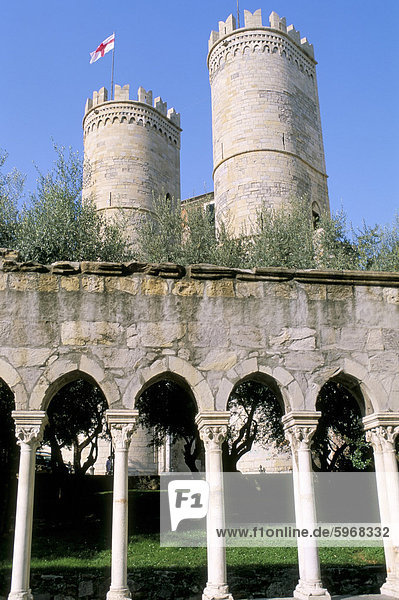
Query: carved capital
[(121, 434), (300, 436), (29, 427), (382, 439), (213, 436), (122, 424)]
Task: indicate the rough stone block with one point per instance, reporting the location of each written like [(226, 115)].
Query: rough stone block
[(92, 284), (188, 287), (47, 283), (162, 334), (154, 287), (222, 288), (70, 284)]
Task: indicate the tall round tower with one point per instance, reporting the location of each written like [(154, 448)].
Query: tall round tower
[(267, 138), (131, 151)]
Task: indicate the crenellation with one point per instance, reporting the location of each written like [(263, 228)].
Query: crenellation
[(306, 47), (88, 105), (277, 23), (213, 38), (228, 26), (253, 19), (174, 117), (121, 93), (100, 96), (160, 106), (294, 34), (144, 96)]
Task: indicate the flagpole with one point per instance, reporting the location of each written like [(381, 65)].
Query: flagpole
[(238, 15), (112, 72)]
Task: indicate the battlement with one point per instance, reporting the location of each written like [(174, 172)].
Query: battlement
[(254, 21), (121, 94)]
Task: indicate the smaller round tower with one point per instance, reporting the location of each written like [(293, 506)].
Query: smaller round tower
[(267, 138), (131, 152)]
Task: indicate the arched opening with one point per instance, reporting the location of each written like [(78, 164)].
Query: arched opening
[(8, 457), (77, 432), (315, 215), (255, 440), (339, 443), (167, 411)]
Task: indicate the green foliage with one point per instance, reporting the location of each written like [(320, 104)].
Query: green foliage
[(167, 409), (11, 186), (76, 420), (284, 238), (339, 442), (378, 246), (56, 225), (186, 238), (255, 416)]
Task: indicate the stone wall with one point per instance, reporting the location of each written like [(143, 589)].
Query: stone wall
[(267, 137), (125, 326), (168, 584), (132, 152)]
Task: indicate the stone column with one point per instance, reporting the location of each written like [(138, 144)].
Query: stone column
[(29, 427), (122, 424), (299, 430), (213, 429), (381, 431)]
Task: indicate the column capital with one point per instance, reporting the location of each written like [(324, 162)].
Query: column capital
[(382, 439), (381, 430), (300, 427), (29, 426), (212, 426), (301, 418), (122, 424), (388, 419)]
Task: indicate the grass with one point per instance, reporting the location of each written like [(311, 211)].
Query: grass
[(66, 548)]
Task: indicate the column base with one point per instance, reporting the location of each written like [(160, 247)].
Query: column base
[(216, 592), (119, 594), (27, 595), (308, 591), (390, 588)]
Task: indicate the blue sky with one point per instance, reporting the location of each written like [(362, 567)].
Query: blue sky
[(46, 77)]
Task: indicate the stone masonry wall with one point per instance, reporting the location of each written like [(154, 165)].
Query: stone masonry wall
[(125, 326), (132, 152), (267, 138)]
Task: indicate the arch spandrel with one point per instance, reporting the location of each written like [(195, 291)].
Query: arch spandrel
[(13, 380), (65, 370), (369, 393), (278, 379), (170, 368)]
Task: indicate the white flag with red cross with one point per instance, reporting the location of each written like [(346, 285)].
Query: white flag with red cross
[(103, 48)]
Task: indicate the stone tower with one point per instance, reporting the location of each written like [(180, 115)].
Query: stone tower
[(267, 138), (132, 152)]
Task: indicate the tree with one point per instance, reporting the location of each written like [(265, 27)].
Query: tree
[(56, 225), (339, 443), (8, 452), (255, 416), (167, 409), (76, 421), (11, 186), (186, 237)]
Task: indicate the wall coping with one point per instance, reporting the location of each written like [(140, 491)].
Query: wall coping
[(203, 271)]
